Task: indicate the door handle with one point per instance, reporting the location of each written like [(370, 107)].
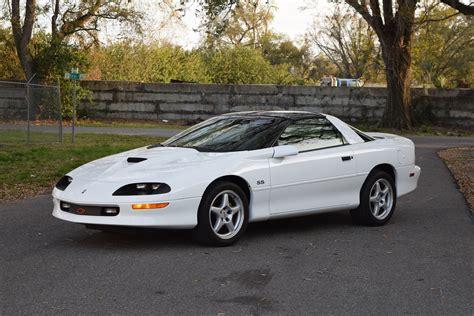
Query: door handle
[(346, 158)]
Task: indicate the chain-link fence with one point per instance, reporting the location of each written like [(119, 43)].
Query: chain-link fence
[(29, 113)]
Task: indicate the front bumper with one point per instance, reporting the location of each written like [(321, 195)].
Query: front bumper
[(180, 213)]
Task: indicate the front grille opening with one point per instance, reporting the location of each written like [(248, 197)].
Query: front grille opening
[(90, 210)]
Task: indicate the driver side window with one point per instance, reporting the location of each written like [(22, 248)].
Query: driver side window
[(311, 134)]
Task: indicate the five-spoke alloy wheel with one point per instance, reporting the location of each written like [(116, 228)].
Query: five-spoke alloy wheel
[(226, 214), (223, 214), (378, 198), (381, 199)]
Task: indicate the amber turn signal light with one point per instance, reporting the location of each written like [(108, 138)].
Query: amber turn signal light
[(149, 206)]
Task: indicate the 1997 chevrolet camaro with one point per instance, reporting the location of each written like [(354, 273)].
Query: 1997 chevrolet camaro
[(223, 173)]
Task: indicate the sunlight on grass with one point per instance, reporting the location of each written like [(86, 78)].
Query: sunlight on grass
[(29, 169)]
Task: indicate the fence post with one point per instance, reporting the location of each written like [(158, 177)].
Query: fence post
[(73, 109), (60, 113), (28, 111)]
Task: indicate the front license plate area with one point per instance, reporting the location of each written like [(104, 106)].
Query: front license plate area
[(90, 210)]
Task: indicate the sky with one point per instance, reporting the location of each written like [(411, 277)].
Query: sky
[(292, 18)]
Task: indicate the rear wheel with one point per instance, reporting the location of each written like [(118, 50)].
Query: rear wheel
[(378, 198), (222, 215)]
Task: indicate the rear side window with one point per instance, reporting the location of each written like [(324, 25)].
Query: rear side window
[(362, 135), (311, 134)]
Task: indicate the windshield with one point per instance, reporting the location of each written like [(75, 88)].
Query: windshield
[(223, 134)]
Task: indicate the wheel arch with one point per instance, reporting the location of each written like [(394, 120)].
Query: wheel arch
[(241, 182), (388, 168)]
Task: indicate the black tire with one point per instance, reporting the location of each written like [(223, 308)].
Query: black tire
[(204, 232), (364, 213)]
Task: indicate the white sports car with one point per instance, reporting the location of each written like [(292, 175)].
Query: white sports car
[(223, 173)]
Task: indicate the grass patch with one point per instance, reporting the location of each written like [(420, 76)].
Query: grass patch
[(128, 124), (116, 123), (30, 169)]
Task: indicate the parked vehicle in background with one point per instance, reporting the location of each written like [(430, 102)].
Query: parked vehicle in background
[(341, 82)]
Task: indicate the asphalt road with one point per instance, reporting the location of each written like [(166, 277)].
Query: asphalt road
[(419, 263)]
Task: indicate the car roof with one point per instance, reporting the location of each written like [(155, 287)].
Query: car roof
[(291, 115)]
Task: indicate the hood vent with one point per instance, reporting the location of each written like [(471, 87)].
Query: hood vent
[(135, 159)]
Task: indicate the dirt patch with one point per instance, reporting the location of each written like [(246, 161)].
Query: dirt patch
[(460, 162)]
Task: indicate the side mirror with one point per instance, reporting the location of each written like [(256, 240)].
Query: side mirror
[(284, 151)]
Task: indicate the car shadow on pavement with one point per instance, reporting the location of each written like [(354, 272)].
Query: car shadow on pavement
[(125, 238), (296, 225), (139, 238)]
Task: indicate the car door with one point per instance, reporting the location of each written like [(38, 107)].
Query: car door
[(320, 177)]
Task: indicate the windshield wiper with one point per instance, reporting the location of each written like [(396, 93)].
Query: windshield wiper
[(200, 148), (155, 146)]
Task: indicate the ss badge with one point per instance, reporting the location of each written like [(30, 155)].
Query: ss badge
[(260, 182)]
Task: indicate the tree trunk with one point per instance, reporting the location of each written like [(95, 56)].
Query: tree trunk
[(26, 59), (397, 58), (22, 34)]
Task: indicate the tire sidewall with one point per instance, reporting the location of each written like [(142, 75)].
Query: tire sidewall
[(204, 231), (364, 208)]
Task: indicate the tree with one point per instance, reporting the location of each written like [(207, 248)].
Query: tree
[(68, 19), (299, 59), (244, 65), (247, 25), (350, 43), (442, 54), (10, 67), (394, 22), (22, 33), (149, 63)]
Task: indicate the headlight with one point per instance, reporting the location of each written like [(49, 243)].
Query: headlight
[(63, 183), (143, 189)]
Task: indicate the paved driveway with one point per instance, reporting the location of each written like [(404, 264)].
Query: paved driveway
[(420, 263)]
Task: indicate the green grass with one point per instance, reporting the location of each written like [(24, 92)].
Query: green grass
[(117, 123), (128, 124), (30, 169)]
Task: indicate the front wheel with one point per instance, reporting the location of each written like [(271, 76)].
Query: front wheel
[(378, 198), (223, 215)]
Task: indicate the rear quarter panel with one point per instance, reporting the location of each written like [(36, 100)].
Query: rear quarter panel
[(396, 151)]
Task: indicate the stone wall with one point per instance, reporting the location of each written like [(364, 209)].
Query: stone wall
[(182, 101), (194, 102), (13, 105), (43, 102)]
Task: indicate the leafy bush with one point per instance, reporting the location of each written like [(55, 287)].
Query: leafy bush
[(150, 63), (52, 60), (10, 67), (164, 63)]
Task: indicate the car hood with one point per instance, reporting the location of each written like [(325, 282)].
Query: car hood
[(142, 163)]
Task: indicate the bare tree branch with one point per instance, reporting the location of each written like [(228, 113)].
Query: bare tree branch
[(466, 9), (424, 21)]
